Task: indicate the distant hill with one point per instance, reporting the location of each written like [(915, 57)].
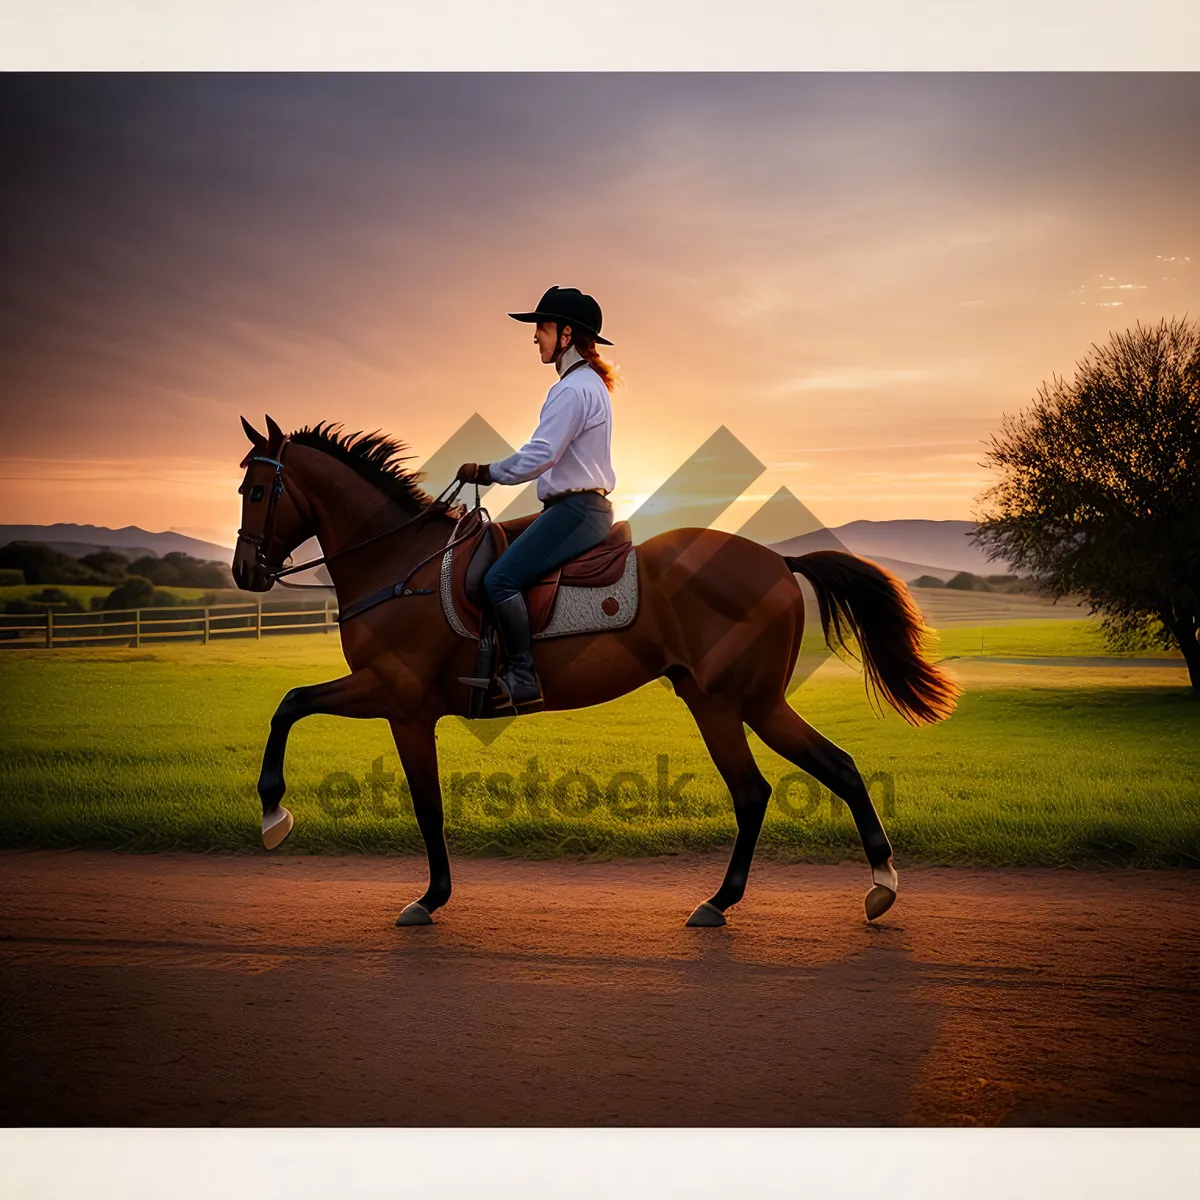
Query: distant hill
[(131, 541), (943, 544), (909, 548)]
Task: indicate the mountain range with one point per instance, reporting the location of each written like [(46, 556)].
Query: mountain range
[(907, 547), (77, 540)]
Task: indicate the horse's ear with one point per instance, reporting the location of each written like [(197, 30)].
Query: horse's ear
[(253, 434), (274, 432)]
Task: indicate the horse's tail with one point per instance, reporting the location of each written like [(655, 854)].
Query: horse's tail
[(888, 627)]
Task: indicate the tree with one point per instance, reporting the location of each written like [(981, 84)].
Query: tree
[(135, 592), (40, 564), (106, 563), (1099, 489), (177, 569)]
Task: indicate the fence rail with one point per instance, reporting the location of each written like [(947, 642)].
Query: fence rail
[(139, 626)]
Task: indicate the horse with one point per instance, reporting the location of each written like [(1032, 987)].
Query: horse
[(720, 617)]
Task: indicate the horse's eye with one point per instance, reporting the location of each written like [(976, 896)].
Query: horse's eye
[(256, 492)]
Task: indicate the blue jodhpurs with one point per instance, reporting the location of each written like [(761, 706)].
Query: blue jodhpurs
[(562, 530)]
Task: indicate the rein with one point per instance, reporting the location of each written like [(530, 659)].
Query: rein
[(276, 574)]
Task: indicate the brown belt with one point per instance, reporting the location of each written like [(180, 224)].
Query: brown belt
[(557, 496)]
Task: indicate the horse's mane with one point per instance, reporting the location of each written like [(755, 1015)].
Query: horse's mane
[(374, 456)]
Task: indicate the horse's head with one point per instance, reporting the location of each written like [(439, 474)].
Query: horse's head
[(272, 523)]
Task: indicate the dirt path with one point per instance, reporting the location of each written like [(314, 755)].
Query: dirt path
[(181, 989)]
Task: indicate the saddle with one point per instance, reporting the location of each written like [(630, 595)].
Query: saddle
[(601, 566)]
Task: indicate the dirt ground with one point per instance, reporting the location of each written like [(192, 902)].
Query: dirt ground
[(186, 989)]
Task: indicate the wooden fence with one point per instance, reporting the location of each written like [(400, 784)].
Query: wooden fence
[(943, 608), (138, 626)]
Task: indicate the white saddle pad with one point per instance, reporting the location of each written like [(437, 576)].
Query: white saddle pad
[(576, 609)]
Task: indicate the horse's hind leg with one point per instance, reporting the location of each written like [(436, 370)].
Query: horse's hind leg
[(721, 727), (417, 746), (788, 734)]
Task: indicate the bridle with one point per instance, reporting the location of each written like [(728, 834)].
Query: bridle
[(261, 541)]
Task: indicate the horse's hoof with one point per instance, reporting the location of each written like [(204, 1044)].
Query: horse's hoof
[(415, 914), (276, 826), (879, 900), (706, 916), (883, 895)]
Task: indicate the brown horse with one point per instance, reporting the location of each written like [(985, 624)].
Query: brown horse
[(719, 616)]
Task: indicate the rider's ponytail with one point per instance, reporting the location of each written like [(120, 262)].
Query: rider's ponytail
[(606, 371), (587, 347)]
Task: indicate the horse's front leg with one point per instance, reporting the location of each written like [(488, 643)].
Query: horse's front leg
[(357, 695), (417, 746)]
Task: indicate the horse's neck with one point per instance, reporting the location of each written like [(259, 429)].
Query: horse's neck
[(348, 510)]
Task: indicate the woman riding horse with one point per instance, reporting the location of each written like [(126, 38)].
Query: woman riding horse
[(569, 455), (719, 616)]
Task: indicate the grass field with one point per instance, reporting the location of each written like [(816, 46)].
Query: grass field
[(1040, 765)]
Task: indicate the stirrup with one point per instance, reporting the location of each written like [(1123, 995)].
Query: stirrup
[(504, 701)]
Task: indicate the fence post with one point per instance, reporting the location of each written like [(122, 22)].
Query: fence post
[(258, 619), (137, 628), (206, 626), (49, 628)]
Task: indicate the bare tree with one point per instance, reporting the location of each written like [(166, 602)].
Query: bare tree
[(1099, 490)]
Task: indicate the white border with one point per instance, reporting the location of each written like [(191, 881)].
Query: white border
[(666, 1164), (590, 35), (698, 35)]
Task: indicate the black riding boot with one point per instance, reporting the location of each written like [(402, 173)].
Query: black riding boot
[(517, 674)]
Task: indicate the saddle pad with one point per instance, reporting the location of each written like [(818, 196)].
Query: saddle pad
[(576, 609)]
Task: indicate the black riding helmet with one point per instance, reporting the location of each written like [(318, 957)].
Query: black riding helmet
[(568, 306)]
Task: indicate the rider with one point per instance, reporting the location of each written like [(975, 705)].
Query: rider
[(569, 454)]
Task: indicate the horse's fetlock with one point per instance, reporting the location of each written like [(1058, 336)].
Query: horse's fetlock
[(878, 850), (270, 790)]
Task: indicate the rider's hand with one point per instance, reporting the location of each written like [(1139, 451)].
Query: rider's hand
[(474, 473)]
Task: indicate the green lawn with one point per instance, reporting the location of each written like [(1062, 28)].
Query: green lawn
[(159, 748), (1034, 638)]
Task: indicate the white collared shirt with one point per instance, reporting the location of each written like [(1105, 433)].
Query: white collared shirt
[(571, 447)]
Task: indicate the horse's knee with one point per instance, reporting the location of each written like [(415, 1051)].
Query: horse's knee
[(756, 795), (291, 708)]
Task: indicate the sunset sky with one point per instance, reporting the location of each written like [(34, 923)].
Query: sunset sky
[(856, 274)]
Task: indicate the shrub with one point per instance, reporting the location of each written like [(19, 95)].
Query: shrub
[(964, 581), (11, 577), (39, 602), (135, 592)]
